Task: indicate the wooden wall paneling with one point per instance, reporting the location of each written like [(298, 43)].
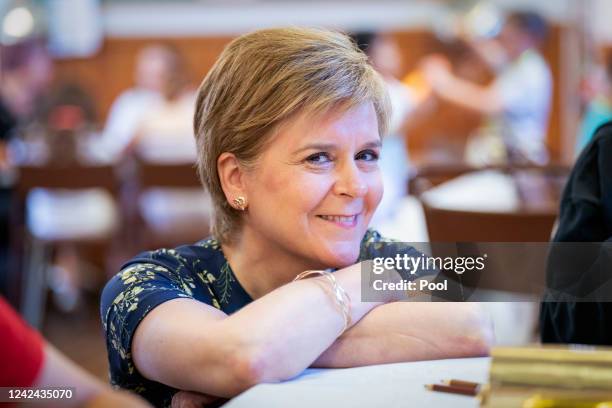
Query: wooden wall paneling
[(110, 72)]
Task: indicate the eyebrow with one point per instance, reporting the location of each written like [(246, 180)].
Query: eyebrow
[(331, 146)]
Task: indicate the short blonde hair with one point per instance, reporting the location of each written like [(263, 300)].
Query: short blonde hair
[(263, 79)]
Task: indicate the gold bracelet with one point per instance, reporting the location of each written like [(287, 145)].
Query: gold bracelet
[(341, 298)]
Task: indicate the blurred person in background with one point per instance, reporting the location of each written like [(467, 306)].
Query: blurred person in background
[(59, 116), (599, 109), (156, 113), (25, 73), (585, 215), (30, 361), (384, 54), (154, 124), (517, 102)]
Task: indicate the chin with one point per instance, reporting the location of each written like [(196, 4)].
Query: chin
[(341, 255)]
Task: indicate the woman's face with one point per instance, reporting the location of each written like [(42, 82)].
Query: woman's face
[(316, 185)]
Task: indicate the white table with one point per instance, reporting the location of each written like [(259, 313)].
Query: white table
[(389, 385), (486, 191)]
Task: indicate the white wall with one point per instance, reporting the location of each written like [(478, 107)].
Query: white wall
[(602, 21), (222, 17)]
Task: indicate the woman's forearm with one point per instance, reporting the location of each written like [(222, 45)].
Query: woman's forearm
[(403, 331), (271, 339), (291, 326)]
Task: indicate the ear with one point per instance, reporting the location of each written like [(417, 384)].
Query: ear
[(231, 176)]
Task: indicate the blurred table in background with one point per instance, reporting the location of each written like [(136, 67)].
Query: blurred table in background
[(92, 211), (510, 204), (69, 207), (389, 385), (497, 205)]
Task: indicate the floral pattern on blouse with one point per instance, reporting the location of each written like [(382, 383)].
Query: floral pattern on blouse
[(199, 272)]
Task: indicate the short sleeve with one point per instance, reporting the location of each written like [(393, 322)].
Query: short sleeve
[(129, 297), (375, 245)]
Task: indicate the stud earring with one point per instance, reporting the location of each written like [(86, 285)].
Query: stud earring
[(240, 203)]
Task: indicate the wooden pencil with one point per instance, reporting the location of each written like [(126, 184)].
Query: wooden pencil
[(452, 389), (462, 383)]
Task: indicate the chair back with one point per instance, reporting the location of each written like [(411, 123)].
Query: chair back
[(186, 219), (446, 225), (67, 177), (167, 175)]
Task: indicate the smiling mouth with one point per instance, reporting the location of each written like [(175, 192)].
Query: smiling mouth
[(342, 220)]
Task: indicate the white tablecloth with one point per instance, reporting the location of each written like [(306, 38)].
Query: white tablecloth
[(389, 385), (487, 190)]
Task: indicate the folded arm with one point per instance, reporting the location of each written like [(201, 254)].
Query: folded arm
[(192, 346), (409, 331)]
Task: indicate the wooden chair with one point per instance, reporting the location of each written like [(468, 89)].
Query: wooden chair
[(431, 175), (445, 225), (29, 275), (466, 229), (146, 234)]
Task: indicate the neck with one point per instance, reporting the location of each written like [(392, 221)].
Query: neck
[(260, 268)]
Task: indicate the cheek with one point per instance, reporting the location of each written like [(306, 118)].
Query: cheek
[(295, 192), (310, 191), (375, 189)]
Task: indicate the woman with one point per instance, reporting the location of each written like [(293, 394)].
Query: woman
[(288, 125)]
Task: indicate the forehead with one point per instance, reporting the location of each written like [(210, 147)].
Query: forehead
[(340, 125)]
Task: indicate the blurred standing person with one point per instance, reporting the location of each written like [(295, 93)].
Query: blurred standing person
[(517, 102), (164, 132)]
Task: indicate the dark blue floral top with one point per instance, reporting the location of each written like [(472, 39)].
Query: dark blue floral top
[(199, 272)]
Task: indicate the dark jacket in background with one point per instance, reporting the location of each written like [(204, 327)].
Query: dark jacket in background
[(585, 216), (8, 123)]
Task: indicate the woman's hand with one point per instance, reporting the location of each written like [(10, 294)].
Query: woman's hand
[(412, 331)]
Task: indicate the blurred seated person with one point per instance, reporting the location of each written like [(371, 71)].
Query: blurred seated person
[(26, 71), (159, 107), (599, 109), (26, 74), (288, 125), (517, 102), (29, 361), (165, 132), (154, 123), (62, 118)]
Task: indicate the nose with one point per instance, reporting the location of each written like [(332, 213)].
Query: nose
[(350, 181)]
